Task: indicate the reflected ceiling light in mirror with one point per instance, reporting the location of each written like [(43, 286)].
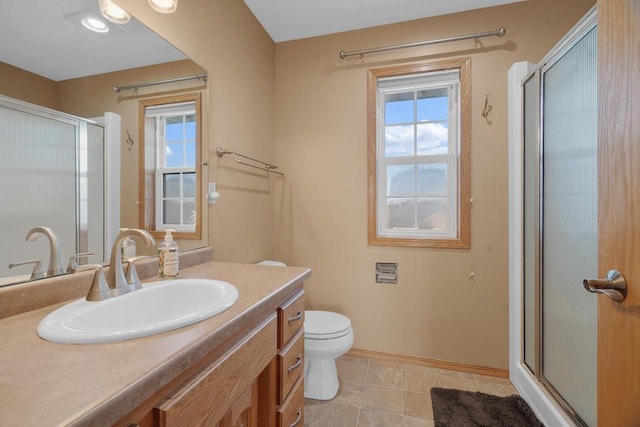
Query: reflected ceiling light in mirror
[(164, 6), (94, 24), (113, 12)]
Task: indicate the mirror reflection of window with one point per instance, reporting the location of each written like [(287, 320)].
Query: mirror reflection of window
[(169, 186)]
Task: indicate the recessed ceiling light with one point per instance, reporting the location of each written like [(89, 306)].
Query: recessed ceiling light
[(164, 6), (113, 12), (94, 24)]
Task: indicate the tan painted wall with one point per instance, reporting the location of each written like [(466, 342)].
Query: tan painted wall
[(225, 39), (436, 311), (25, 86)]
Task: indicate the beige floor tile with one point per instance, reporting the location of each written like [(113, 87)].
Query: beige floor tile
[(417, 422), (355, 359), (310, 408), (335, 415), (458, 382), (429, 370), (387, 375), (457, 374), (417, 405), (382, 399), (419, 379), (351, 371), (371, 418), (349, 394), (496, 386)]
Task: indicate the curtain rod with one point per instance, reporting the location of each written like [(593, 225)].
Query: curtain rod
[(498, 33), (118, 89)]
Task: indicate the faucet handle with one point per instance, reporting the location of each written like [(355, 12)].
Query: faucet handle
[(73, 265), (132, 274), (99, 290), (37, 272)]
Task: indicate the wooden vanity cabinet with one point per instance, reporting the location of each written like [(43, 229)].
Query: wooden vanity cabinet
[(257, 382), (291, 362)]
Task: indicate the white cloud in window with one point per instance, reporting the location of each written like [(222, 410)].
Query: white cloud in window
[(432, 139)]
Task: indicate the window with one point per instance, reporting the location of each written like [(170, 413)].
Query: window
[(419, 185), (170, 188)]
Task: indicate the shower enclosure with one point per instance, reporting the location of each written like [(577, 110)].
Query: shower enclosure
[(52, 173), (554, 321)]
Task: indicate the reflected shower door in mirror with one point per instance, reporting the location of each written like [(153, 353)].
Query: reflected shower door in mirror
[(52, 175)]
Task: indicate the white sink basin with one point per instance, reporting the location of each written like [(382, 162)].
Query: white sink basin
[(158, 307)]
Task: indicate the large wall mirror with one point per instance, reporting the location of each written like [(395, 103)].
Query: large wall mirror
[(57, 82)]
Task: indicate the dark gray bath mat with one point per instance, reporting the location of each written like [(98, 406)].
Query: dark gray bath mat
[(458, 408)]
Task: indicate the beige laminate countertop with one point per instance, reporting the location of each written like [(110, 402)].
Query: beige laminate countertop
[(45, 384)]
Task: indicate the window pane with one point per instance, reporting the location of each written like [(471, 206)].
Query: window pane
[(401, 180), (401, 213), (433, 104), (398, 141), (432, 179), (432, 213), (433, 138), (189, 185), (171, 212), (189, 212), (398, 108), (173, 129), (191, 153), (174, 156), (190, 127), (171, 185)]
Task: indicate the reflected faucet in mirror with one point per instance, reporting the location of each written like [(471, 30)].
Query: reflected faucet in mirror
[(116, 282), (55, 261)]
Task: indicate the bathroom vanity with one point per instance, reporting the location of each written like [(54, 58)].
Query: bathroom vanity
[(240, 367)]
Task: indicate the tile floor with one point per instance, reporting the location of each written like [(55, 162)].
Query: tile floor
[(389, 394)]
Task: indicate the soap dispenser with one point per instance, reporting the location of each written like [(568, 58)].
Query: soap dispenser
[(128, 249), (168, 257)]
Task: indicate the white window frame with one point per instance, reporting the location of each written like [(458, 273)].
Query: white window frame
[(160, 114), (458, 156), (449, 80)]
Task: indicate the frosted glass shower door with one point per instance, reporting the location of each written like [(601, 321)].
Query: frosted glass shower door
[(37, 186), (569, 224)]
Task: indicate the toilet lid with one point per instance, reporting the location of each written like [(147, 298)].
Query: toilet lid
[(325, 324)]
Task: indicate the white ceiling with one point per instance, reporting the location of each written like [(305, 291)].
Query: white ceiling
[(296, 19), (46, 38)]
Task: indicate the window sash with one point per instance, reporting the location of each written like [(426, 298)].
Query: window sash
[(415, 83), (160, 114)]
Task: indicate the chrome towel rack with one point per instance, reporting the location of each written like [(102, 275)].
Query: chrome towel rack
[(268, 167)]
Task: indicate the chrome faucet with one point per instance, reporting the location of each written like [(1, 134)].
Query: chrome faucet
[(55, 262), (116, 279)]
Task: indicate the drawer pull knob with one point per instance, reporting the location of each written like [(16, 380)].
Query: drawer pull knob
[(298, 363), (296, 317), (298, 419)]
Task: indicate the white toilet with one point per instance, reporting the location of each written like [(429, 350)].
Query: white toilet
[(327, 336)]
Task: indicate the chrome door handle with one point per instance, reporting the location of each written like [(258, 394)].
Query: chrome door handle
[(614, 286)]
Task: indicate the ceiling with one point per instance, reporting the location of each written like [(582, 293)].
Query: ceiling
[(296, 19), (46, 37)]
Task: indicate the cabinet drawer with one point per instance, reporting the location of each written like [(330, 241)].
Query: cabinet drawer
[(291, 414), (290, 365), (290, 318), (206, 398)]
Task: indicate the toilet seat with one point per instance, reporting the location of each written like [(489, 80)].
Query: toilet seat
[(325, 325)]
